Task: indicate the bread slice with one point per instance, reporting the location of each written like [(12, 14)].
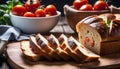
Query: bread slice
[(82, 52), (64, 45), (54, 43), (28, 53), (44, 45), (36, 48)]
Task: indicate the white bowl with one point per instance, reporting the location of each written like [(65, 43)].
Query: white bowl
[(35, 24)]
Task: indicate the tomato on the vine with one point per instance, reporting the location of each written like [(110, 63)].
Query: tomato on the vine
[(19, 10), (29, 14), (86, 7), (40, 13), (78, 3), (100, 5), (32, 5), (51, 10)]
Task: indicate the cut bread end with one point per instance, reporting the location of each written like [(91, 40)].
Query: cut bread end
[(25, 47), (87, 36)]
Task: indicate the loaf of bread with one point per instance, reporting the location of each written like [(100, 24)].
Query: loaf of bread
[(52, 48), (98, 32)]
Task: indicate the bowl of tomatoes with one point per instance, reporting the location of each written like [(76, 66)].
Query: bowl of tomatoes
[(81, 9), (32, 19)]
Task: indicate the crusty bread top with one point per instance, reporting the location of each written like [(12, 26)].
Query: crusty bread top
[(107, 25), (89, 20), (107, 16)]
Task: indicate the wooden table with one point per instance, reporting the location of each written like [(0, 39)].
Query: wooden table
[(62, 27)]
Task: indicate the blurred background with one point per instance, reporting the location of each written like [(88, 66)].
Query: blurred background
[(60, 3)]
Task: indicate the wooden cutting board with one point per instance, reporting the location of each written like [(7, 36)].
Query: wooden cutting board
[(17, 61)]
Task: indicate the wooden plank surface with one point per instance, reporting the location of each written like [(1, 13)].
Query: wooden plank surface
[(62, 27), (17, 60)]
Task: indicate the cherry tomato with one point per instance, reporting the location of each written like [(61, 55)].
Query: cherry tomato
[(100, 5), (92, 44), (86, 7), (40, 13), (51, 10), (78, 3), (29, 14), (19, 10), (87, 39), (32, 5)]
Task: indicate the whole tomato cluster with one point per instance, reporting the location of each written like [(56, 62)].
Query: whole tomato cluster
[(83, 5), (32, 9)]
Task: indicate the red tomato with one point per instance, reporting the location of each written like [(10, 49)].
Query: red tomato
[(40, 13), (100, 5), (29, 14), (19, 10), (92, 44), (86, 7), (51, 10), (87, 39), (32, 5), (78, 3)]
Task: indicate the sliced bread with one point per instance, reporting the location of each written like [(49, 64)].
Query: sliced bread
[(28, 53), (44, 45), (82, 51), (54, 43), (37, 48), (65, 46)]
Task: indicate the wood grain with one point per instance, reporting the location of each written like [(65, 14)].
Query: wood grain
[(17, 60)]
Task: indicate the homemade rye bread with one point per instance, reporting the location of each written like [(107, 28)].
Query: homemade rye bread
[(100, 33)]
